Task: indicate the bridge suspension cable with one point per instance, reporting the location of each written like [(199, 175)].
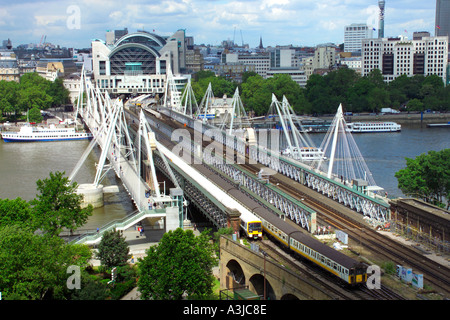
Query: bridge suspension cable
[(345, 161), (237, 118), (190, 106)]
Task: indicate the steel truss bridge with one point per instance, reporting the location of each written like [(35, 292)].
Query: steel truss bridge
[(375, 209), (130, 153)]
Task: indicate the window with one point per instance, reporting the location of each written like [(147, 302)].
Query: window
[(102, 67)]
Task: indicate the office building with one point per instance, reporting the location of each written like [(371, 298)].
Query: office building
[(260, 61), (325, 57), (399, 56), (353, 36), (353, 63), (296, 74)]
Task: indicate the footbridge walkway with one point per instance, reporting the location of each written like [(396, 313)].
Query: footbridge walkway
[(106, 120)]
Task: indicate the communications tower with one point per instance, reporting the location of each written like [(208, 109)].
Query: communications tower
[(381, 4)]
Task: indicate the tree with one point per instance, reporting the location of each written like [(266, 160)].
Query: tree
[(34, 115), (60, 95), (415, 105), (34, 96), (15, 211), (34, 267), (427, 176), (58, 205), (255, 96), (203, 74), (181, 264), (113, 251), (377, 99)]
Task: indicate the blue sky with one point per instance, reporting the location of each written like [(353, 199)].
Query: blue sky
[(74, 23)]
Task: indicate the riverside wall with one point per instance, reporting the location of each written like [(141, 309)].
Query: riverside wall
[(401, 118)]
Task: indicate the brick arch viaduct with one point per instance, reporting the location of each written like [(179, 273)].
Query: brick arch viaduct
[(241, 266)]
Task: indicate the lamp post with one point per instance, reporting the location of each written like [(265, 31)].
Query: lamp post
[(265, 255)]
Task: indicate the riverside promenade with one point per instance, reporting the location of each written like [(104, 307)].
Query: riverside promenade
[(401, 118)]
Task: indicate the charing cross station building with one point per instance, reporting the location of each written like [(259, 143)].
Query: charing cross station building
[(137, 63)]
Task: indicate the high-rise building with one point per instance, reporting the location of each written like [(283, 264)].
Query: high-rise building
[(443, 18), (354, 34), (399, 56)]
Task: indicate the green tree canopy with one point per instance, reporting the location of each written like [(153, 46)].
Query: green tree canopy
[(180, 264), (427, 176), (34, 115), (34, 267), (14, 212), (33, 91), (58, 206), (113, 251), (324, 93)]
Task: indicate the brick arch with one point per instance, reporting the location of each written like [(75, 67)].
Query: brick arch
[(285, 284), (256, 284), (235, 274), (289, 296)]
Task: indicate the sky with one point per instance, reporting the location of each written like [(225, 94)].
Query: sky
[(75, 23)]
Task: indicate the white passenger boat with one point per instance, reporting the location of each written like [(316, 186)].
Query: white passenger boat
[(360, 127), (27, 133), (306, 153)]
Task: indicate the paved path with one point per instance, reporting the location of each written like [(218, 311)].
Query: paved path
[(444, 260)]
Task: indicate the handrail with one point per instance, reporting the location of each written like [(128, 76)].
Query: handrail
[(118, 224)]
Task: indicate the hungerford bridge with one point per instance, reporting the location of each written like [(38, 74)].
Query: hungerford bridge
[(133, 139)]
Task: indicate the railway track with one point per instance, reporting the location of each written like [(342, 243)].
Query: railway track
[(435, 274), (340, 289)]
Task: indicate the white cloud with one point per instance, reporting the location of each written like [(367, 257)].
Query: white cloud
[(116, 15), (49, 20), (300, 22)]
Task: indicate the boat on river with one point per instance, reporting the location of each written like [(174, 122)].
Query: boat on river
[(305, 153), (361, 127), (28, 133)]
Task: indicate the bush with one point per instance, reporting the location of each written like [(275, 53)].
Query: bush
[(389, 267)]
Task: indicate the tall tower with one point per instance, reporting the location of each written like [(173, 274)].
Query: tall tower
[(381, 4), (442, 18)]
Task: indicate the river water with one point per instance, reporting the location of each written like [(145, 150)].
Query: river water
[(22, 164), (385, 153)]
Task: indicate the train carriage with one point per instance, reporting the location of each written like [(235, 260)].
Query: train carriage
[(335, 262), (327, 258)]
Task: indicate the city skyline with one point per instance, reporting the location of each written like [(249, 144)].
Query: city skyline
[(278, 22)]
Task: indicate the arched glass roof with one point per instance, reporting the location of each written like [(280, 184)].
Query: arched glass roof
[(145, 38)]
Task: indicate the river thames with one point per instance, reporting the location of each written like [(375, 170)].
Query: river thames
[(22, 164)]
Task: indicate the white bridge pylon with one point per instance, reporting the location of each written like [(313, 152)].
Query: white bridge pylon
[(345, 159), (106, 120), (296, 141)]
